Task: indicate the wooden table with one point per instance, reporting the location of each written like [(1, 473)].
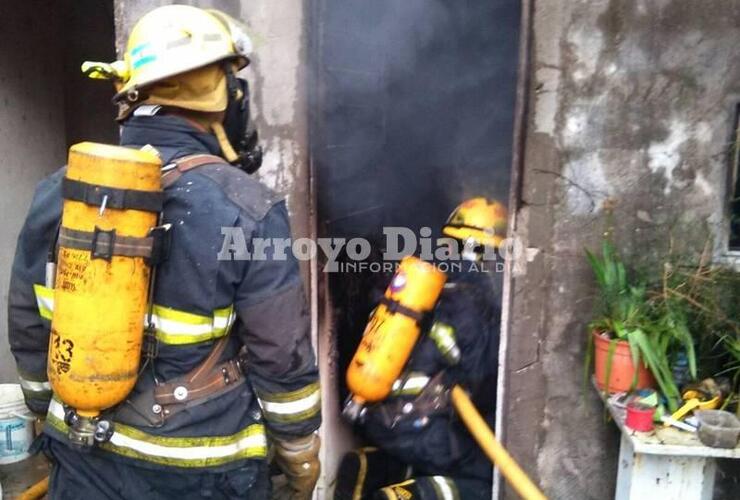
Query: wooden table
[(664, 464)]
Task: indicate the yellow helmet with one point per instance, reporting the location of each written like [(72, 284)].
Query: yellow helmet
[(478, 219), (172, 40)]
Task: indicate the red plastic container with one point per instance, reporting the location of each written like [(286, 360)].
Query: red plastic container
[(640, 417)]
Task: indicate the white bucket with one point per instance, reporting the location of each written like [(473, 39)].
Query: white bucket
[(16, 425)]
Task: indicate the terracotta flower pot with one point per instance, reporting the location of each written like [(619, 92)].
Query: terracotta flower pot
[(622, 369)]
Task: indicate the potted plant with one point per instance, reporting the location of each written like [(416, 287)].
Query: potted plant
[(620, 308), (635, 332)]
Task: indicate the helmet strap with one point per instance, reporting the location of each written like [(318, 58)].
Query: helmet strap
[(226, 148)]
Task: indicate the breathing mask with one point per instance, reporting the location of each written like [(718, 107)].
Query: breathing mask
[(238, 126)]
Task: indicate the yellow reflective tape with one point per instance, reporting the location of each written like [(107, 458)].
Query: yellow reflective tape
[(294, 406), (443, 336), (406, 392), (182, 442), (293, 417), (223, 313), (251, 442), (444, 488), (173, 327), (33, 386), (44, 300), (181, 316), (180, 328), (410, 385), (398, 491), (287, 397)]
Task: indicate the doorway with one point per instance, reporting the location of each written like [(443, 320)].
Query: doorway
[(413, 108)]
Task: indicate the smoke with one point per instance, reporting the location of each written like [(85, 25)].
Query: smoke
[(415, 108), (412, 113)]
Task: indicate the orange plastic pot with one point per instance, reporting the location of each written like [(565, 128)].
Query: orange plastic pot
[(622, 368)]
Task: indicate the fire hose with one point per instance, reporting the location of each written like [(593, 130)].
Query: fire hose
[(38, 490), (495, 452)]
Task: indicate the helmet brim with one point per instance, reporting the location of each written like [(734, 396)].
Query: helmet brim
[(128, 88)]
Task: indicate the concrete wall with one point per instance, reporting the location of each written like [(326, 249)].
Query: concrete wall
[(46, 104), (32, 140), (630, 104), (277, 79)]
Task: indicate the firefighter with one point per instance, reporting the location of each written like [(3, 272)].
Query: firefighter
[(228, 368), (420, 449)]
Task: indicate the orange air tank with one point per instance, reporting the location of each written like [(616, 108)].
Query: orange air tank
[(393, 330), (100, 301)]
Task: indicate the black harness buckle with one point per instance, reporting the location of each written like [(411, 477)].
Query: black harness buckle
[(150, 344), (102, 244), (241, 361), (161, 243)]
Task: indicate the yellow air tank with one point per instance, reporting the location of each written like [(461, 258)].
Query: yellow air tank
[(392, 332), (113, 195)]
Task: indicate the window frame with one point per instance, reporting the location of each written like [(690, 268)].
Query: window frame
[(730, 256)]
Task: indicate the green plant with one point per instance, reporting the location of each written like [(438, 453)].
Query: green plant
[(621, 305), (652, 327), (709, 297), (732, 346)]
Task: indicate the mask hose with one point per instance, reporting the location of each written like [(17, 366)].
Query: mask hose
[(226, 148)]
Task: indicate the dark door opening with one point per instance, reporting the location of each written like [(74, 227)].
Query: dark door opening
[(89, 35), (734, 179), (413, 113), (46, 104)]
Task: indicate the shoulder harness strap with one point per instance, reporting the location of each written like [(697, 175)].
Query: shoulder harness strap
[(395, 307), (182, 165)]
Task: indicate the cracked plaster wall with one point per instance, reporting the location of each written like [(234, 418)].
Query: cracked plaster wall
[(631, 103), (277, 80)]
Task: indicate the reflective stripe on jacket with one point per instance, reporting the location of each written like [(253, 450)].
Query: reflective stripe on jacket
[(36, 390), (127, 441), (172, 326), (429, 487), (410, 385), (291, 406)]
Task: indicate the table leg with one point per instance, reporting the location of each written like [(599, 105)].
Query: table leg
[(663, 477)]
